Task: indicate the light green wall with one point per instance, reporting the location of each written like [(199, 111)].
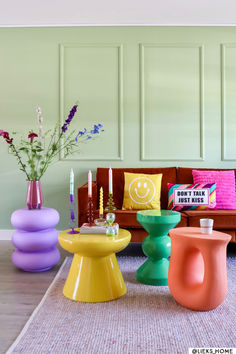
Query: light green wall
[(166, 96)]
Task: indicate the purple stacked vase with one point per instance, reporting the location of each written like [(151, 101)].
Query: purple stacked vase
[(35, 239)]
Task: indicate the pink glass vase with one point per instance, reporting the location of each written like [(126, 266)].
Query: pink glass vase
[(34, 198)]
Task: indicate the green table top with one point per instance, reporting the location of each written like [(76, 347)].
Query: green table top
[(156, 216), (155, 212)]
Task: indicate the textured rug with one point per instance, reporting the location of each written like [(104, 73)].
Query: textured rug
[(146, 320)]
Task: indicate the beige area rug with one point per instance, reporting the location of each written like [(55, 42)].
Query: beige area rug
[(146, 320)]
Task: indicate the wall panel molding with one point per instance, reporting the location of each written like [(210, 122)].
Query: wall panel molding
[(120, 143), (200, 47), (224, 47)]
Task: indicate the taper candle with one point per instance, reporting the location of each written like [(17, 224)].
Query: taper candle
[(101, 203), (71, 185), (89, 184), (72, 212), (110, 180)]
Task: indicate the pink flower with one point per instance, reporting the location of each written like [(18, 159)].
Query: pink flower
[(38, 110), (31, 136), (5, 136)]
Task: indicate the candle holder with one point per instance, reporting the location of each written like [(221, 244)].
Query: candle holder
[(72, 223), (100, 221), (110, 208), (90, 211)]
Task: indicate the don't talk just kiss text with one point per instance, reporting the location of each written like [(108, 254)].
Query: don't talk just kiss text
[(191, 196)]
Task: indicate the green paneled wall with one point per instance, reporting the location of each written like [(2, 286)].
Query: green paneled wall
[(166, 96)]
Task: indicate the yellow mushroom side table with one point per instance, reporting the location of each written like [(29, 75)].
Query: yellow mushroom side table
[(94, 274)]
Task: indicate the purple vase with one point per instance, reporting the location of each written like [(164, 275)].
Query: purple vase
[(34, 198)]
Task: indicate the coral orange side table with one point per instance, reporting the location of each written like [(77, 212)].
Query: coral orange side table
[(197, 276), (94, 275)]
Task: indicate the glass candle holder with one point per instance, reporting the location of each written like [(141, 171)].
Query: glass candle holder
[(90, 211), (100, 222)]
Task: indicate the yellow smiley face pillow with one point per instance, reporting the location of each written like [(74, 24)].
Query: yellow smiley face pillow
[(142, 191)]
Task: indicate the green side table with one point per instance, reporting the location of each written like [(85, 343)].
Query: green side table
[(156, 246)]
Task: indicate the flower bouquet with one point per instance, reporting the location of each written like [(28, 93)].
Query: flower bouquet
[(36, 153)]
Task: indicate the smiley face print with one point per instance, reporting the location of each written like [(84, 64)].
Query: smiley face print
[(142, 190)]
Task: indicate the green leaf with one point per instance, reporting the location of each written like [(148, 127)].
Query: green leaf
[(54, 147)]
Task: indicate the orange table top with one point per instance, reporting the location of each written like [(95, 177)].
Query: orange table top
[(195, 232)]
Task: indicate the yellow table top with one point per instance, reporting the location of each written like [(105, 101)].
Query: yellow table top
[(94, 244)]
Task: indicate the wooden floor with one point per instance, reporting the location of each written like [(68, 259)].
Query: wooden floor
[(20, 293)]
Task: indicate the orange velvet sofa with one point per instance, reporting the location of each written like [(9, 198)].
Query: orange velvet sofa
[(224, 220)]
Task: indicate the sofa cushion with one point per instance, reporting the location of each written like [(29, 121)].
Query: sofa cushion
[(184, 174), (128, 219), (168, 176), (223, 219), (225, 186), (191, 196), (142, 191)]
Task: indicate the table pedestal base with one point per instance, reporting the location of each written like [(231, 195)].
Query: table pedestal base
[(156, 246), (153, 272), (94, 279)]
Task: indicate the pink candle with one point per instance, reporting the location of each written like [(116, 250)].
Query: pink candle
[(110, 180), (89, 184)]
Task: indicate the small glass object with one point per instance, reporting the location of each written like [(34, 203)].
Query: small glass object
[(110, 218), (72, 220), (34, 197), (90, 211), (110, 204), (206, 226), (72, 223), (111, 231), (116, 227), (100, 221)]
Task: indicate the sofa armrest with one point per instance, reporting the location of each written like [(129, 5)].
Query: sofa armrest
[(83, 201)]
